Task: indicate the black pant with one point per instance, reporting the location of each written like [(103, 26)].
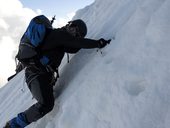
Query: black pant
[(39, 83)]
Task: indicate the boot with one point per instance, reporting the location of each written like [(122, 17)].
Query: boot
[(17, 122)]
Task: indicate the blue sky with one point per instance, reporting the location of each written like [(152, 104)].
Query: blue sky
[(59, 8)]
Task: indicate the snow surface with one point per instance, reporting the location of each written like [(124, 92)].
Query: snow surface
[(127, 86)]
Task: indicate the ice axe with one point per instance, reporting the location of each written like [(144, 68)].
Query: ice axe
[(53, 18)]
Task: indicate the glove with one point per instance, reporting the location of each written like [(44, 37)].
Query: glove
[(102, 42)]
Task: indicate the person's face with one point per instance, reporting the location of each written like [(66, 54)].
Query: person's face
[(74, 30)]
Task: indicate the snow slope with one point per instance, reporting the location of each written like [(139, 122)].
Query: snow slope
[(127, 86)]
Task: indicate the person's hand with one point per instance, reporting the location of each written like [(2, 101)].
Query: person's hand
[(103, 42)]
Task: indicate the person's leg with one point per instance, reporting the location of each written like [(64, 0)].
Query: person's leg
[(42, 91), (39, 85)]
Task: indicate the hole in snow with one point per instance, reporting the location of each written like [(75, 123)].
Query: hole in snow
[(134, 88)]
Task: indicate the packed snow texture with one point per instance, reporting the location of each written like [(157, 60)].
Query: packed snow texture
[(127, 86)]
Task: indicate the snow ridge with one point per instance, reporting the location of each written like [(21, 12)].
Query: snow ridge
[(125, 86)]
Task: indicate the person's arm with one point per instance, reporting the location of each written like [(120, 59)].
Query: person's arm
[(59, 38), (71, 50), (85, 43)]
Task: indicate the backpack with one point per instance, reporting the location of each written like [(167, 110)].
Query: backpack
[(33, 38), (30, 42)]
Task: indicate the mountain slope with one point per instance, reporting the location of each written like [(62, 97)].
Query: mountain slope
[(125, 86)]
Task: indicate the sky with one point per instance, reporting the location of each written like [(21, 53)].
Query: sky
[(14, 18), (127, 86), (56, 7)]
